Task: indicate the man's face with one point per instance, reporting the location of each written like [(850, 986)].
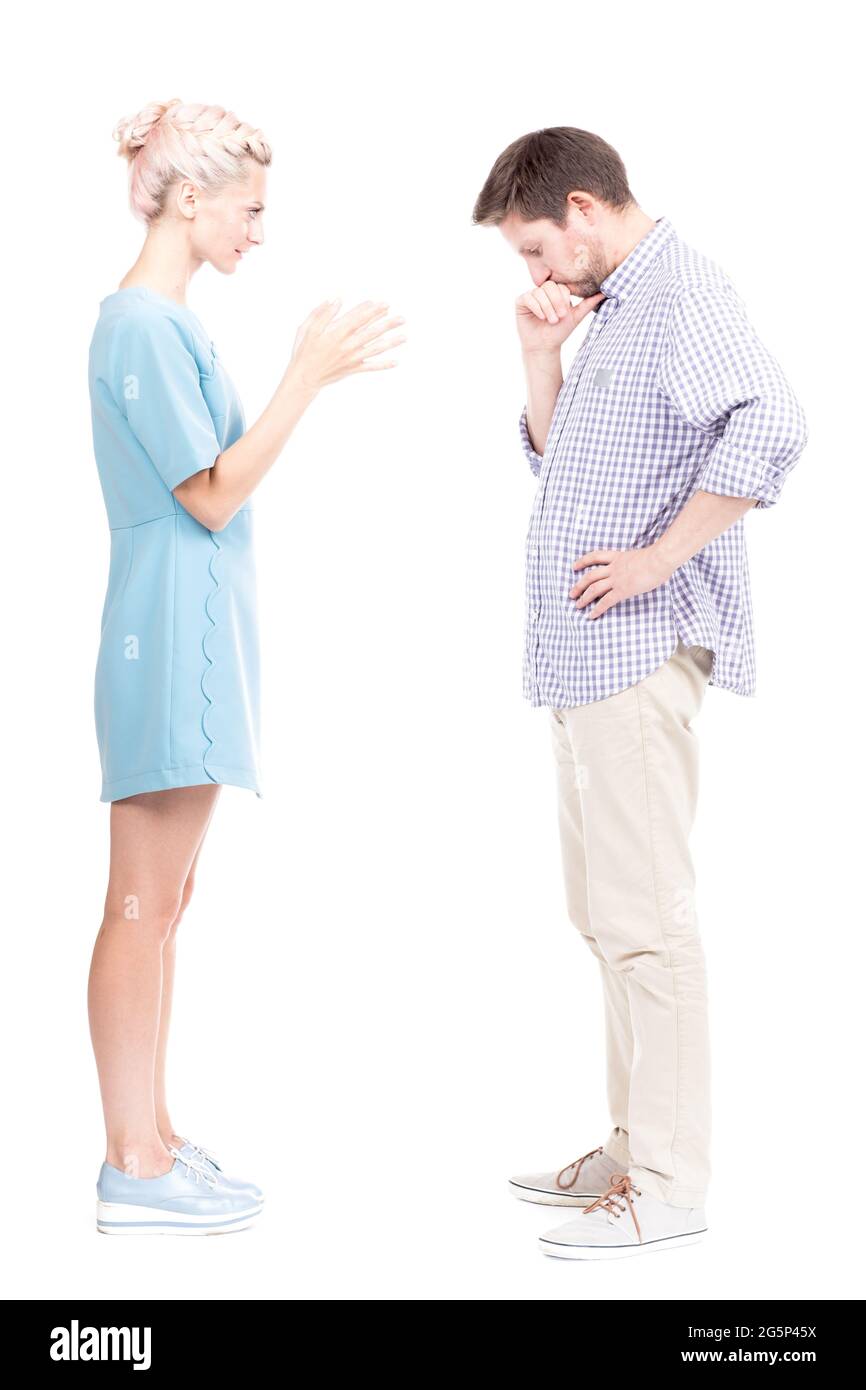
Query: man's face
[(570, 255)]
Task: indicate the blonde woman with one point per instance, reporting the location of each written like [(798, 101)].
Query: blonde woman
[(176, 696)]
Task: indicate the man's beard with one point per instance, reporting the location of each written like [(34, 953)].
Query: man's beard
[(585, 285), (588, 271)]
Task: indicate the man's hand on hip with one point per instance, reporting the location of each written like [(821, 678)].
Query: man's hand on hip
[(618, 574)]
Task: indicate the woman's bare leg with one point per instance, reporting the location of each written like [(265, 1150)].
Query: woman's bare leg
[(154, 839), (169, 952)]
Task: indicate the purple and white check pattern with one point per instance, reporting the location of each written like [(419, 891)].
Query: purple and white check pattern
[(671, 391)]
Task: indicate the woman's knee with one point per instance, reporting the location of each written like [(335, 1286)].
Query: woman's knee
[(156, 912), (183, 904)]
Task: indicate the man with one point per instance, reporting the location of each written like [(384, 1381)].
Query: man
[(673, 421)]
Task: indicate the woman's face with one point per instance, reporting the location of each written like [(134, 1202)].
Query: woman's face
[(226, 224)]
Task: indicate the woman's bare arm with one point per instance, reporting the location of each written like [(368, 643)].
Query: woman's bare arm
[(214, 495), (325, 350)]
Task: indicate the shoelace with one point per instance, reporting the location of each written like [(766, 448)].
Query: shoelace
[(195, 1166), (206, 1154), (577, 1165), (621, 1185)]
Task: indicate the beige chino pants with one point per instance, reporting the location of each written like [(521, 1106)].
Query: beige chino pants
[(627, 779)]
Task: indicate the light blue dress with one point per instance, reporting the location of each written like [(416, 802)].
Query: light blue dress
[(176, 692)]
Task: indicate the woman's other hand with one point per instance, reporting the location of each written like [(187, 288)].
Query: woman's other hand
[(328, 348)]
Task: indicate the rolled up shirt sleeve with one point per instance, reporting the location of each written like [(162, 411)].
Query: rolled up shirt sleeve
[(718, 377), (533, 457)]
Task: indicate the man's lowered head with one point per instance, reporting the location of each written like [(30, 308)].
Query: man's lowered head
[(561, 199)]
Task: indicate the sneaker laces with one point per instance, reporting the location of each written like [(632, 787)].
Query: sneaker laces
[(206, 1154), (621, 1185), (576, 1165), (195, 1166)]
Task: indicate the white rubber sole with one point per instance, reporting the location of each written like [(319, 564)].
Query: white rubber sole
[(550, 1199), (124, 1219), (563, 1251)]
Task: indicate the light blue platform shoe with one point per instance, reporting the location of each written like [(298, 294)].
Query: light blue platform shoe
[(201, 1155), (189, 1200)]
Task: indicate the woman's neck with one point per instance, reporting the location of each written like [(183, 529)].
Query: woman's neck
[(163, 265)]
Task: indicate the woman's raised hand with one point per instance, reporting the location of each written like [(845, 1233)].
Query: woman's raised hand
[(327, 348)]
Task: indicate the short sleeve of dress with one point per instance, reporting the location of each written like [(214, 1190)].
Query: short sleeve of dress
[(159, 393)]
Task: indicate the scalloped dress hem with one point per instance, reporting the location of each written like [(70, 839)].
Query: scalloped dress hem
[(193, 776)]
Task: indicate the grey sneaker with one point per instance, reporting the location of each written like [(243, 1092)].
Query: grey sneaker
[(576, 1185), (625, 1221)]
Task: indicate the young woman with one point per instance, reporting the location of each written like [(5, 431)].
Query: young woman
[(176, 695)]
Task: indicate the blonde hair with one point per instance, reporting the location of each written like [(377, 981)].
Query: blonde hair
[(169, 140)]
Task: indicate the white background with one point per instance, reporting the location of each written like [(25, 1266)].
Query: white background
[(382, 1011)]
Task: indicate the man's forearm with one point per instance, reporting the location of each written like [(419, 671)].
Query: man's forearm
[(705, 516), (543, 380)]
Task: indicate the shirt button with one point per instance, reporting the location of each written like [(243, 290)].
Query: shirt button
[(535, 613)]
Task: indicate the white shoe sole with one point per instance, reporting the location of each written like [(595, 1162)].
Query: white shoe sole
[(551, 1199), (124, 1219), (564, 1251)]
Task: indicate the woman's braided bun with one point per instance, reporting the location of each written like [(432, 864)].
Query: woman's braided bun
[(167, 141)]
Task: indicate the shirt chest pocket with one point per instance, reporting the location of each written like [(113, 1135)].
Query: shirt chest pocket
[(611, 385), (618, 401)]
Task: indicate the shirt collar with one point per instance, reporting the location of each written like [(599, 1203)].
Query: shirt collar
[(627, 276)]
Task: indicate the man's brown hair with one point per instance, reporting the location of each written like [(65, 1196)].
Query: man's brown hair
[(535, 174)]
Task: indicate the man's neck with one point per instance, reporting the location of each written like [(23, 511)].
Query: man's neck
[(627, 236)]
